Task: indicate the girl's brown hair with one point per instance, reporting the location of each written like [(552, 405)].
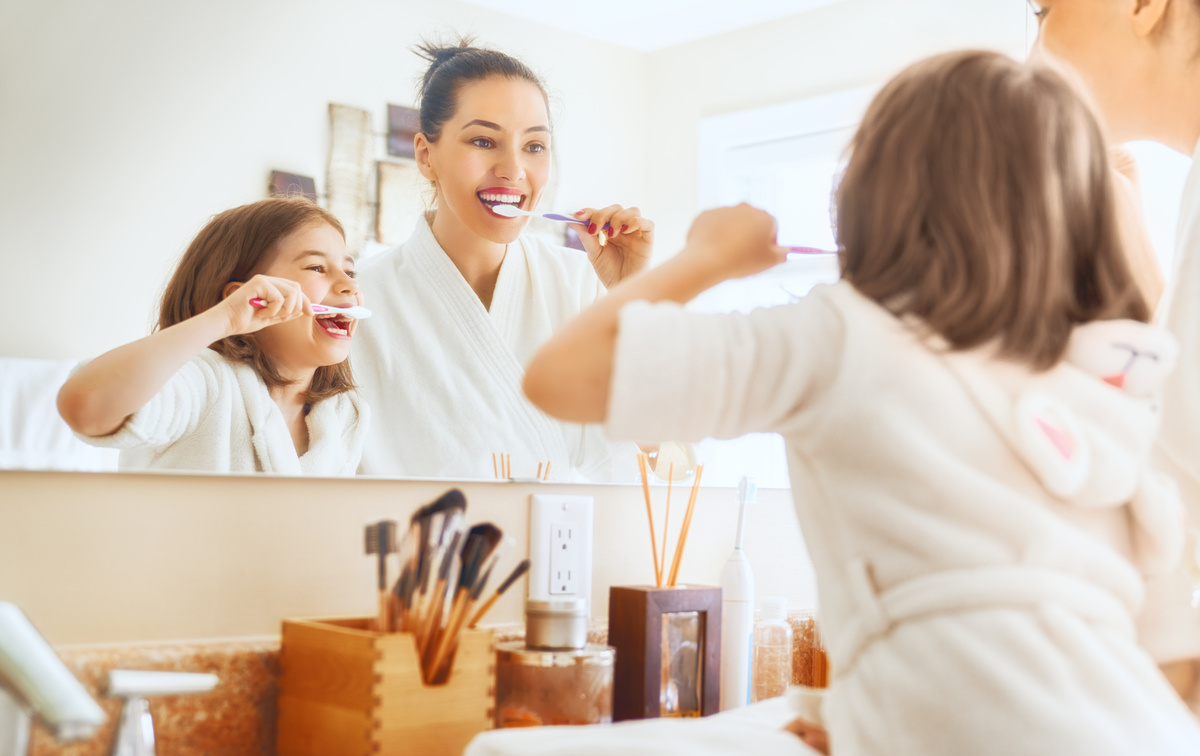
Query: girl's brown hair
[(978, 198), (232, 247)]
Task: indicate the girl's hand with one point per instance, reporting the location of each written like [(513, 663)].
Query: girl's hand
[(629, 246), (734, 242), (813, 735), (284, 301)]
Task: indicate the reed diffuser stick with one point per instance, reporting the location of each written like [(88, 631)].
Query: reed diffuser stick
[(539, 472), (495, 468), (547, 470), (666, 521), (650, 517), (683, 533)]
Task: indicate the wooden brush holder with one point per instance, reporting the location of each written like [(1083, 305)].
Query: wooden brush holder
[(648, 626), (348, 690)]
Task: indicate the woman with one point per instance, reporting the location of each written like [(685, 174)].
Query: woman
[(1141, 61), (463, 304)]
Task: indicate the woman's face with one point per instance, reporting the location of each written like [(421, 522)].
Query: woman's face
[(496, 148), (1097, 39)]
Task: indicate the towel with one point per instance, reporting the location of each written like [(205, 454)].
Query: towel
[(748, 731), (216, 415), (32, 435)]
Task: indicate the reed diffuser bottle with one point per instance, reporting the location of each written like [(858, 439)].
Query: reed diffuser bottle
[(772, 650)]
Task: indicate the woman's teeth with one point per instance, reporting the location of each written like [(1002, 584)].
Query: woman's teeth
[(508, 199)]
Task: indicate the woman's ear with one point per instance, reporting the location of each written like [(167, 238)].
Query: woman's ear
[(1148, 16), (421, 147), (230, 287)]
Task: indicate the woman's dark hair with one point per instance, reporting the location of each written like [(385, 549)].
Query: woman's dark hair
[(450, 67), (233, 247)]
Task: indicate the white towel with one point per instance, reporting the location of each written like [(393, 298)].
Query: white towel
[(32, 435), (215, 415), (748, 731)]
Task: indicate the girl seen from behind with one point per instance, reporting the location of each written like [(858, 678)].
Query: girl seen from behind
[(241, 374), (968, 416)]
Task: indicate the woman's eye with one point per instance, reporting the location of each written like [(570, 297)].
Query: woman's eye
[(482, 142), (1037, 9), (536, 148), (352, 274), (316, 268)]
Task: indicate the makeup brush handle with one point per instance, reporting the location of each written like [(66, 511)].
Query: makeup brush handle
[(447, 637), (483, 610)]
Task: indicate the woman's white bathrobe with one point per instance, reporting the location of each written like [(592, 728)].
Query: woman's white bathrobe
[(1179, 440), (443, 374), (977, 530), (215, 415)]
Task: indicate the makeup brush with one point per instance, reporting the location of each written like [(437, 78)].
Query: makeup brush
[(683, 532), (381, 541), (513, 577), (440, 520), (438, 596), (481, 541)]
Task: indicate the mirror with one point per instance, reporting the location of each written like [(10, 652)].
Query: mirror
[(130, 124)]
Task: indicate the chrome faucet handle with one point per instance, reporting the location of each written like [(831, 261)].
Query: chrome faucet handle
[(135, 737)]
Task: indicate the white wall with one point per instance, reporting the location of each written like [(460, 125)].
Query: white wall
[(125, 124), (849, 44)]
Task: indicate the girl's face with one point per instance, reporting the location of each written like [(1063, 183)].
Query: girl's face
[(315, 257), (496, 148), (1097, 39)]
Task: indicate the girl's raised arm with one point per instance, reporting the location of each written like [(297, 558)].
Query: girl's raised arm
[(571, 375), (98, 398)]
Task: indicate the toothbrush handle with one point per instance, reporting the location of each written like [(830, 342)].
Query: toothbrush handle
[(568, 219), (259, 303), (809, 251)]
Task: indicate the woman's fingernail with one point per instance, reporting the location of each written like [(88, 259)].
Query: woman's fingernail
[(624, 228), (592, 228), (578, 213)]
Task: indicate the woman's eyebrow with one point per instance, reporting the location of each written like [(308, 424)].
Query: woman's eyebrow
[(496, 127)]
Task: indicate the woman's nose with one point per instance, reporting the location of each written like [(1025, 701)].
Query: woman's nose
[(510, 166)]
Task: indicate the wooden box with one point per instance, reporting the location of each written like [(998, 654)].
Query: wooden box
[(636, 630), (347, 690)]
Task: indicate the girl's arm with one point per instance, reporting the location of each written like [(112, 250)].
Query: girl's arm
[(571, 375), (98, 398)]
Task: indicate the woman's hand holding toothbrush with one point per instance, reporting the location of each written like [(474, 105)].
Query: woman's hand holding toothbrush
[(628, 241)]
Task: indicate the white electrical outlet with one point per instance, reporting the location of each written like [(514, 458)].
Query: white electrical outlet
[(560, 547)]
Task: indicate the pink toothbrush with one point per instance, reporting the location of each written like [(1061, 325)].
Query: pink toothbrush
[(357, 312), (809, 251)]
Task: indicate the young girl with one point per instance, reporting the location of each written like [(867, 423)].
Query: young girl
[(241, 375), (968, 416), (464, 303), (1141, 62)]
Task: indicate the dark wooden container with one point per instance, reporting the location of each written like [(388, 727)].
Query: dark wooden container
[(635, 629)]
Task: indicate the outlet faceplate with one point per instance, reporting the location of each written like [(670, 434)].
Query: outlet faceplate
[(560, 547)]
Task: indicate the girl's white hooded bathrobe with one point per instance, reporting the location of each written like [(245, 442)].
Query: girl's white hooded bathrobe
[(216, 415), (979, 532)]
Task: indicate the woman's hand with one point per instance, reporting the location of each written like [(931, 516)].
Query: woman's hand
[(734, 242), (284, 298), (1143, 262), (628, 248)]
